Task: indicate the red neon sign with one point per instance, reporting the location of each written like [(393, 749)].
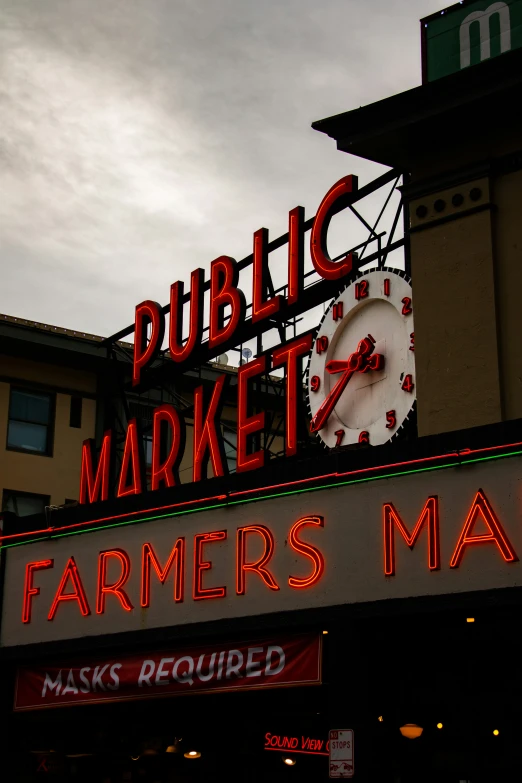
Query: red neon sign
[(429, 516), (227, 310), (255, 548), (310, 746), (71, 574), (248, 425), (200, 565), (258, 567), (116, 588), (481, 507), (147, 314), (224, 277)]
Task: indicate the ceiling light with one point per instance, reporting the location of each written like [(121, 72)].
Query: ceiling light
[(325, 632), (439, 725), (192, 754), (411, 730), (290, 762), (470, 619), (496, 732), (380, 719)]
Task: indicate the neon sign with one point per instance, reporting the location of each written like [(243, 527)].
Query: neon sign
[(227, 310), (71, 586), (301, 744)]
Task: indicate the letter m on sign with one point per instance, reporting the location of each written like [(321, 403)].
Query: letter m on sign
[(429, 517), (483, 19)]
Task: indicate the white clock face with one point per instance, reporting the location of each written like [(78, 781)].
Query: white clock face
[(361, 376)]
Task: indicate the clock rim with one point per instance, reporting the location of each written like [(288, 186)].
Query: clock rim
[(410, 418)]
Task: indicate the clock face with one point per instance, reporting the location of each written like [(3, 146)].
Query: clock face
[(361, 375)]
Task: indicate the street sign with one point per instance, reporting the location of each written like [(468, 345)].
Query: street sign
[(341, 753)]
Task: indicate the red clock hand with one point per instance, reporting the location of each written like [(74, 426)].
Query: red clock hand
[(348, 368), (329, 403)]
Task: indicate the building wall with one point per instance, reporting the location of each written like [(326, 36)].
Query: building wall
[(453, 279), (56, 475), (467, 279), (507, 246)]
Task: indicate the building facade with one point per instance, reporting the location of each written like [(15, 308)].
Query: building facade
[(343, 599)]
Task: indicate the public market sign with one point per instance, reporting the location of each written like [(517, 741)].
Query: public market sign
[(432, 532), (361, 380), (469, 33), (216, 667)]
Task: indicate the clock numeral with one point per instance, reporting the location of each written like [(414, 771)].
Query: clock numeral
[(406, 306), (321, 344), (407, 384), (375, 362), (362, 289), (364, 437), (391, 420), (340, 436), (315, 383), (338, 311), (412, 338), (387, 282)]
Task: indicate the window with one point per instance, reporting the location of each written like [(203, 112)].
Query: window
[(75, 412), (24, 504), (230, 439), (30, 416)]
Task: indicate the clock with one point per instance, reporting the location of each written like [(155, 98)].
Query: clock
[(361, 374)]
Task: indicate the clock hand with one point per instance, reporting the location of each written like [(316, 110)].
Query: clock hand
[(354, 363), (329, 403)]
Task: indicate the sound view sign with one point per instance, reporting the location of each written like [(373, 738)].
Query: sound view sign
[(469, 33)]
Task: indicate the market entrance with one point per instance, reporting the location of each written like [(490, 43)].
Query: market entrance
[(431, 695)]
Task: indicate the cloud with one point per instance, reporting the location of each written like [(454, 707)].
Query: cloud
[(139, 140)]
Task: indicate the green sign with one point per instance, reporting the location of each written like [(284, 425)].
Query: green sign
[(469, 33)]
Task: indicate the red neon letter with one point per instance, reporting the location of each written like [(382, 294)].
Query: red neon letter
[(176, 556), (224, 277), (208, 441), (429, 514), (178, 351), (165, 419), (94, 489), (308, 550), (295, 254), (248, 425), (144, 351), (116, 588), (291, 355), (200, 565), (258, 566), (481, 506), (322, 262), (29, 589), (133, 459), (261, 307), (71, 572)]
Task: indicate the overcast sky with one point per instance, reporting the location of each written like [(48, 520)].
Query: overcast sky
[(142, 138)]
